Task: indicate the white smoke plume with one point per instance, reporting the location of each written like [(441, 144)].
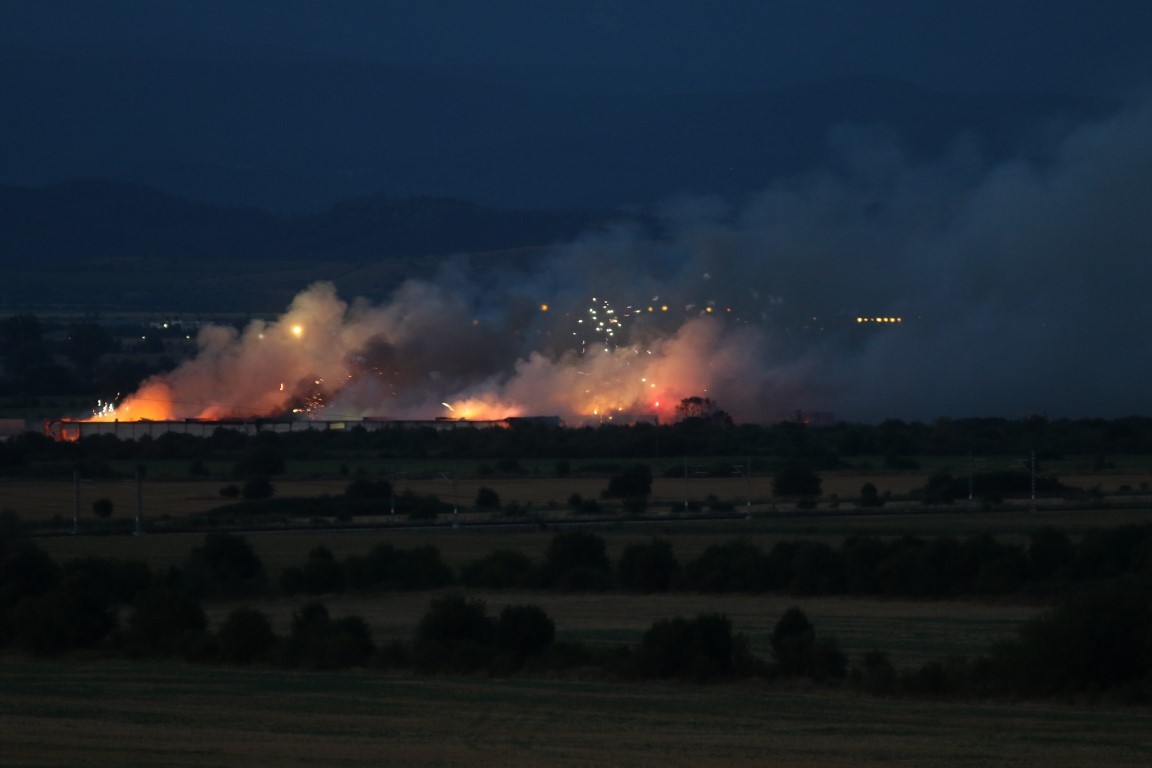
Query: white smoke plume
[(1021, 288)]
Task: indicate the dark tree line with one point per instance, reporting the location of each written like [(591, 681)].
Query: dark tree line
[(610, 449), (1093, 643)]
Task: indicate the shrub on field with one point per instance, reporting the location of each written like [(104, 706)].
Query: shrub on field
[(319, 642), (634, 482), (577, 560), (25, 569), (797, 652), (648, 567), (1050, 553), (816, 569), (870, 496), (875, 675), (1096, 641), (792, 481), (72, 615), (388, 567), (487, 499), (699, 648), (524, 630), (456, 634), (321, 573), (1113, 552), (245, 636), (734, 566), (225, 565), (162, 618), (117, 580), (502, 569), (257, 487), (421, 507), (363, 488), (583, 506)]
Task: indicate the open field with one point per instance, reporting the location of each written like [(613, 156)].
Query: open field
[(172, 715), (42, 500)]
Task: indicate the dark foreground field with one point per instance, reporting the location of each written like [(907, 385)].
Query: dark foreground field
[(174, 715)]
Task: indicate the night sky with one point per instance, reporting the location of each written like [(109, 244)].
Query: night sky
[(981, 169), (978, 45)]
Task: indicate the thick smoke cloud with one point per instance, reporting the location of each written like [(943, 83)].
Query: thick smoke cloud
[(1022, 289)]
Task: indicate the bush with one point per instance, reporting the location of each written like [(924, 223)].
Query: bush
[(876, 675), (388, 567), (524, 630), (257, 487), (163, 617), (455, 634), (73, 615), (699, 648), (363, 488), (116, 580), (318, 642), (634, 482), (322, 573), (650, 567), (487, 499), (577, 560), (793, 642), (502, 569), (225, 565), (1091, 642), (796, 481), (245, 636), (870, 497), (735, 566), (1050, 552)]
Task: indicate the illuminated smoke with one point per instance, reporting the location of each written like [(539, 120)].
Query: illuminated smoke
[(1020, 289)]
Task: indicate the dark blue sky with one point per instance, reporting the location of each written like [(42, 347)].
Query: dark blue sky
[(981, 168), (976, 45)]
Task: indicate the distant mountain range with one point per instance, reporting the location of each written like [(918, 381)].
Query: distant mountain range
[(295, 133), (106, 248), (71, 224)]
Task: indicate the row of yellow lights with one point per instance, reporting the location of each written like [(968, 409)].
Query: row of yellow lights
[(879, 319)]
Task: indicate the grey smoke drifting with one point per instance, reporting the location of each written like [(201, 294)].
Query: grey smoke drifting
[(1022, 288)]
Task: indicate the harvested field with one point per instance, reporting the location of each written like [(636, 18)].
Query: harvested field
[(171, 715)]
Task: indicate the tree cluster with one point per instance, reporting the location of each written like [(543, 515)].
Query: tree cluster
[(1094, 643)]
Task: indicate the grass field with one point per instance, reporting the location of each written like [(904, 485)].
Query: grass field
[(171, 715), (43, 500)]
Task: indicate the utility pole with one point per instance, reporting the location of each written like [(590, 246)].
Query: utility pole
[(971, 469), (746, 470)]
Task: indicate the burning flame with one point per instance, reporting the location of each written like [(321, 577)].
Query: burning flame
[(423, 352)]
